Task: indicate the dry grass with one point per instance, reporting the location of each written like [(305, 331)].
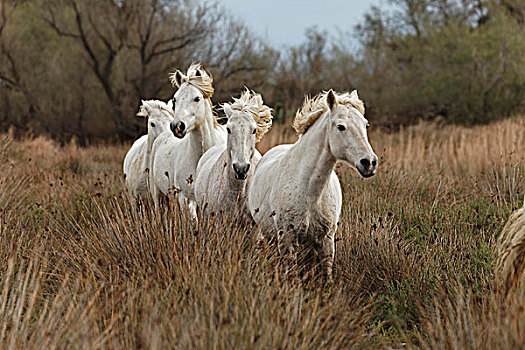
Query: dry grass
[(415, 254)]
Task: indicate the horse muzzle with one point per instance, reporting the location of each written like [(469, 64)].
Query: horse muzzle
[(178, 129), (367, 166), (241, 171)]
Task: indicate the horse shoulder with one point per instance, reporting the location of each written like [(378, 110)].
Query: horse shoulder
[(184, 166), (284, 184), (161, 146), (338, 193), (133, 166), (262, 184), (331, 201), (205, 173), (161, 161), (209, 156), (268, 164), (134, 151)]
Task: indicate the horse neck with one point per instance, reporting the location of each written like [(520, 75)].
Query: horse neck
[(208, 130), (314, 160), (149, 147), (203, 137)]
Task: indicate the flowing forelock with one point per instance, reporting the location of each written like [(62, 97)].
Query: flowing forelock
[(252, 103), (315, 107)]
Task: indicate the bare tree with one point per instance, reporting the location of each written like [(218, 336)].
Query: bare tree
[(165, 34), (128, 45)]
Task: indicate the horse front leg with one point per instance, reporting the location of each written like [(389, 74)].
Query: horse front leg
[(192, 211), (287, 247), (325, 248), (155, 196)]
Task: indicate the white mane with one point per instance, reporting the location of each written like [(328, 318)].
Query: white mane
[(160, 105), (252, 102), (313, 108)]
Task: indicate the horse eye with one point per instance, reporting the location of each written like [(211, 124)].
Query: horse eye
[(341, 127), (197, 99), (254, 131), (152, 125), (229, 130)]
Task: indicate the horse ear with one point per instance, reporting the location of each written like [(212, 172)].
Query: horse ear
[(227, 109), (149, 109), (331, 100), (354, 94), (207, 72), (176, 78), (142, 110), (198, 73)]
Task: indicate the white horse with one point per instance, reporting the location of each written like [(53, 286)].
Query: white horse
[(224, 171), (295, 190), (137, 160), (175, 158)]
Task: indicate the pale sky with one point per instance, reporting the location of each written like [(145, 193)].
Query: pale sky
[(283, 22)]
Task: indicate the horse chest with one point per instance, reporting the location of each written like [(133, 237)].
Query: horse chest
[(185, 173), (297, 212)]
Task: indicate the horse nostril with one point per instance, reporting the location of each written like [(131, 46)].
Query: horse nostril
[(241, 170), (365, 162), (178, 129), (374, 162)]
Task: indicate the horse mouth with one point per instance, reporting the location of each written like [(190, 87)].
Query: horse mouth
[(365, 173), (240, 176), (179, 134)]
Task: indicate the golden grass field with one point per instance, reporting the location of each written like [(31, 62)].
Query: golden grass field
[(415, 254)]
